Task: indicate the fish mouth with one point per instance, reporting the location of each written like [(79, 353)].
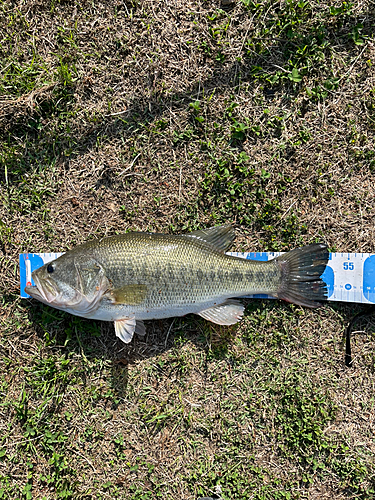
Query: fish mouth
[(33, 292), (44, 293)]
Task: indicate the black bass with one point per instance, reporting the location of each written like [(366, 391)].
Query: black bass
[(139, 276)]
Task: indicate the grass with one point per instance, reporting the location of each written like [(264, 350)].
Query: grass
[(172, 117)]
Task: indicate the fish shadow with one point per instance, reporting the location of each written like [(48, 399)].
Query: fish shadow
[(96, 344)]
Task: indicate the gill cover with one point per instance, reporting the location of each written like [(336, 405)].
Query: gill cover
[(92, 283)]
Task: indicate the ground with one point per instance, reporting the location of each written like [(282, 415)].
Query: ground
[(172, 116)]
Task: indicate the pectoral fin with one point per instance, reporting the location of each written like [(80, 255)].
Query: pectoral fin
[(227, 313), (131, 295), (125, 328)]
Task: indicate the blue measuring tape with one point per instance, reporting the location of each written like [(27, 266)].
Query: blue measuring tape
[(350, 277)]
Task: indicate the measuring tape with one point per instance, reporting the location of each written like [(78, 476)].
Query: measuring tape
[(350, 277)]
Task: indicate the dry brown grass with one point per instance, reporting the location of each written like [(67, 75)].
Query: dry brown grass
[(98, 137)]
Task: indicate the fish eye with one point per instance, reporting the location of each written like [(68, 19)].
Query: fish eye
[(50, 268)]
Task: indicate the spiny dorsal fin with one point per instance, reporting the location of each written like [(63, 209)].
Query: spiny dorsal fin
[(221, 237)]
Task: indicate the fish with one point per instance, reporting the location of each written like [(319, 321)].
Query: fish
[(137, 276)]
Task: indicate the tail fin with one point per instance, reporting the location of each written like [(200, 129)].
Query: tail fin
[(301, 270)]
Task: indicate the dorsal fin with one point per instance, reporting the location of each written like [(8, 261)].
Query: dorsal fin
[(221, 237)]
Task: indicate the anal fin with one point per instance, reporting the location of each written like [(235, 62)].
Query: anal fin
[(227, 313)]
